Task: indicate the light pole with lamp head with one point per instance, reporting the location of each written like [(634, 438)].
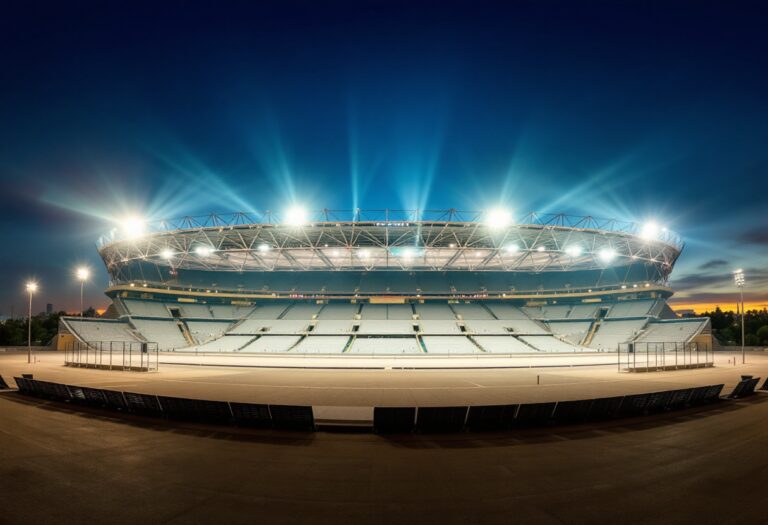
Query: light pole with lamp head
[(738, 278), (82, 273), (31, 288)]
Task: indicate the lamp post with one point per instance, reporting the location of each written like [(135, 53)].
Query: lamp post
[(83, 273), (738, 278), (31, 288)]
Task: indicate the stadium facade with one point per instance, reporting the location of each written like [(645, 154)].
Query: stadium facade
[(390, 283)]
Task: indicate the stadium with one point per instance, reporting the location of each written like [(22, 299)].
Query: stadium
[(388, 284)]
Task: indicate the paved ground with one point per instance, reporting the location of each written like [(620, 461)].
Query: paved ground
[(361, 388), (70, 466)]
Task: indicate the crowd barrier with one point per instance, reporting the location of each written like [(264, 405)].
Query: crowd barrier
[(388, 420)]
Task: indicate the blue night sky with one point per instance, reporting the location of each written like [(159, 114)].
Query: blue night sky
[(633, 110)]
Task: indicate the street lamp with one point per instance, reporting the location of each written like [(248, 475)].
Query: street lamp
[(82, 273), (738, 278), (31, 288)]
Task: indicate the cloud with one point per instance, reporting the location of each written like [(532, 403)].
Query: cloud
[(757, 236), (714, 263)]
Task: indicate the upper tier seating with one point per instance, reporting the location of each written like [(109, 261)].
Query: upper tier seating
[(449, 344), (471, 311), (548, 343), (166, 334), (195, 311), (93, 330), (224, 311), (439, 327), (672, 331), (582, 311), (630, 309), (506, 311), (387, 311), (503, 344), (333, 327), (556, 311), (332, 344), (386, 327), (202, 331), (435, 311), (611, 333), (277, 326), (271, 343), (146, 308), (506, 326), (573, 331), (268, 311), (385, 346), (228, 343), (302, 311), (339, 311)]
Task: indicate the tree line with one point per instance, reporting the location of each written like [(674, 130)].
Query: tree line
[(726, 327), (13, 332)]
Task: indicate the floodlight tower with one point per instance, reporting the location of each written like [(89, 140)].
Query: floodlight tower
[(82, 273), (31, 289), (738, 279)]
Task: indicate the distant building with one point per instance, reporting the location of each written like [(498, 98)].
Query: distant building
[(49, 308)]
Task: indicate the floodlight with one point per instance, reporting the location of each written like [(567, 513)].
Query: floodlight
[(133, 226), (498, 218), (203, 250), (364, 254), (83, 273), (607, 254), (264, 247), (540, 249), (650, 231), (738, 277), (31, 287), (296, 216), (513, 248), (166, 253), (573, 251)]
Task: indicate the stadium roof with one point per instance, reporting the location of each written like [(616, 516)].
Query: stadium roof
[(392, 240)]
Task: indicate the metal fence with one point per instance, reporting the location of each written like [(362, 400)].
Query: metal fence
[(657, 356), (113, 355)]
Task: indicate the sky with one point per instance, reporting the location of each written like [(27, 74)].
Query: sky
[(630, 110)]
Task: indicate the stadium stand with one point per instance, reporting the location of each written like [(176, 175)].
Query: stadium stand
[(92, 330), (331, 344), (388, 327), (612, 332), (271, 326), (678, 331), (329, 327), (203, 331), (506, 311), (271, 343), (385, 346), (435, 311), (439, 327), (582, 311), (573, 331), (301, 311), (387, 311), (268, 311), (166, 334), (146, 308), (548, 343), (448, 344), (339, 311), (503, 344), (230, 312), (229, 343), (195, 311), (629, 309), (498, 327), (472, 311)]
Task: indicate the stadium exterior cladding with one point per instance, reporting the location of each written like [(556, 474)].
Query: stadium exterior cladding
[(380, 254)]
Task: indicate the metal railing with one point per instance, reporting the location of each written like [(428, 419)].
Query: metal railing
[(113, 355), (661, 356)]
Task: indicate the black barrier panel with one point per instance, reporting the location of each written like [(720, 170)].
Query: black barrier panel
[(394, 420), (23, 385), (658, 401), (698, 396), (292, 417), (34, 387), (491, 417), (679, 398), (94, 396), (745, 387), (572, 411), (3, 384), (634, 405), (534, 413), (713, 393), (251, 414), (143, 404), (441, 419), (114, 400), (604, 408), (78, 394), (54, 391), (196, 410)]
